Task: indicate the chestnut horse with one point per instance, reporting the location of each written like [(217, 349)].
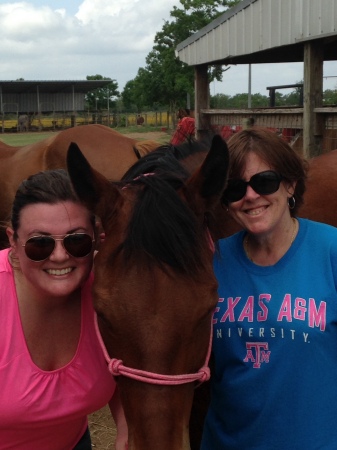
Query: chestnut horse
[(109, 152), (154, 290)]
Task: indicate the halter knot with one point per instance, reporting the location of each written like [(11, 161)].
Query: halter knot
[(114, 366), (205, 374)]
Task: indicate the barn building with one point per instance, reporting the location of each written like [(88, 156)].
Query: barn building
[(270, 31), (53, 99)]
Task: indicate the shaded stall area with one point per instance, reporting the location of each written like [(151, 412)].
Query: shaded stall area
[(45, 105), (265, 31)]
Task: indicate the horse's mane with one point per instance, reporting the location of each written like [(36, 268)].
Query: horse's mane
[(160, 160), (188, 148), (166, 158), (163, 229)]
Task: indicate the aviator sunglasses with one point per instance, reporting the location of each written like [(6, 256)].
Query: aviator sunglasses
[(263, 183), (39, 248)]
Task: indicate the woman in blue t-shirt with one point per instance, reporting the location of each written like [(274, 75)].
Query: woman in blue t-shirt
[(274, 384)]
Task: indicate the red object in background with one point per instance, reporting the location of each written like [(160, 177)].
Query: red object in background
[(185, 130), (228, 130)]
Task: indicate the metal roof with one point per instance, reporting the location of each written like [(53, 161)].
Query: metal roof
[(19, 87), (263, 31)]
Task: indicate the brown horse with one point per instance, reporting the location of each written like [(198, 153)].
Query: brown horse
[(320, 198), (109, 152), (154, 289)]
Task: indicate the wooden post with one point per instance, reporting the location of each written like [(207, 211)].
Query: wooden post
[(272, 97), (313, 124), (202, 99)]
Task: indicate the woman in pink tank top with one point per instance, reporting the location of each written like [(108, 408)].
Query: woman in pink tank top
[(52, 369)]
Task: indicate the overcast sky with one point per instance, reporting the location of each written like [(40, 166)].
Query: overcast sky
[(70, 39)]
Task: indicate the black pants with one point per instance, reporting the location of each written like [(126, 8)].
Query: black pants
[(85, 442)]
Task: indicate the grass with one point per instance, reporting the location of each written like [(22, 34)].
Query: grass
[(140, 129), (21, 139)]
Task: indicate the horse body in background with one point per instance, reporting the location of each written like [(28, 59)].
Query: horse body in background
[(154, 289), (320, 197), (109, 152)]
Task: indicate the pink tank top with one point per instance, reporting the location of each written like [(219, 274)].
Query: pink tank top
[(42, 410)]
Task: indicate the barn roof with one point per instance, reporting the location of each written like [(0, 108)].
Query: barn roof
[(84, 86), (263, 31)]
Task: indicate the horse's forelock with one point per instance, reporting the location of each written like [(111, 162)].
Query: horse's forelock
[(163, 230)]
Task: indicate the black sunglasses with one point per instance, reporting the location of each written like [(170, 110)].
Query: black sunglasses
[(39, 248), (263, 183)]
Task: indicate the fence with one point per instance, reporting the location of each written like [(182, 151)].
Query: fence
[(59, 121), (286, 121)]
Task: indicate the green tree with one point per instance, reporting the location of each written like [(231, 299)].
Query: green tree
[(128, 95), (260, 101), (98, 99), (219, 101), (137, 93), (238, 101), (292, 99), (330, 97), (165, 79)]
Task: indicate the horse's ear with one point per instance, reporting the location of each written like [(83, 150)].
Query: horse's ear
[(90, 186), (207, 184)]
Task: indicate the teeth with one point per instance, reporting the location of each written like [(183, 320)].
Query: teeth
[(255, 212), (59, 272)]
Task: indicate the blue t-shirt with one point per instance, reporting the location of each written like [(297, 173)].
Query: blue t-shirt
[(274, 386)]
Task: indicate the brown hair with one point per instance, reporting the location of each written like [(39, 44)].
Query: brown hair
[(51, 186), (274, 151)]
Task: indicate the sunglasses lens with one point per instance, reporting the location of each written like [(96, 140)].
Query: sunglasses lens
[(235, 190), (265, 183), (39, 248), (78, 245)]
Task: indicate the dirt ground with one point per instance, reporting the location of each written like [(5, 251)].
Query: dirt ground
[(102, 429), (101, 425)]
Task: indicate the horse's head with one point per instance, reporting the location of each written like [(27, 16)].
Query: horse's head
[(155, 291)]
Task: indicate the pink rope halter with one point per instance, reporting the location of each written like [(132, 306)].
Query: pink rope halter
[(116, 368)]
